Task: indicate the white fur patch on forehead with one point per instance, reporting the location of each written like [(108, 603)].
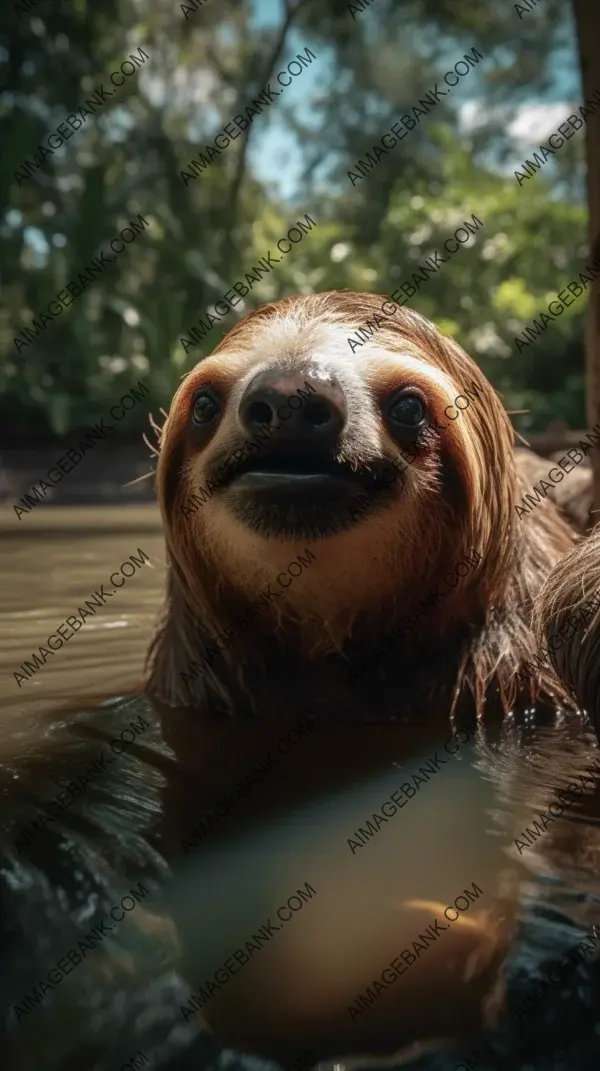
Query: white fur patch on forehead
[(315, 338), (293, 335)]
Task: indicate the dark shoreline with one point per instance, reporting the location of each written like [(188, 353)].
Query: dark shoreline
[(100, 477)]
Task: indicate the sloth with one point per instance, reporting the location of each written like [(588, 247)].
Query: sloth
[(385, 472), (339, 521)]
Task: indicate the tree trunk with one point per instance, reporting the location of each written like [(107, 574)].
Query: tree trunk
[(587, 19)]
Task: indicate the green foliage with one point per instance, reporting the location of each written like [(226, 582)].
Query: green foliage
[(203, 236)]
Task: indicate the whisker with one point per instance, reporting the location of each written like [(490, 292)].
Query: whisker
[(154, 451), (523, 440), (139, 479)]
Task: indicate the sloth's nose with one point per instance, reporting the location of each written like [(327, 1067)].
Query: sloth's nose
[(296, 407)]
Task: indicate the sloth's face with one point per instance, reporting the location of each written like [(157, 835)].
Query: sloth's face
[(285, 437), (311, 439), (301, 441)]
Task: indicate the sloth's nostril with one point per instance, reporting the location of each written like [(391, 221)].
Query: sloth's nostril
[(317, 413), (260, 413)]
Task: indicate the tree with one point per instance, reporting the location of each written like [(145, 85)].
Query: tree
[(587, 18), (204, 233)]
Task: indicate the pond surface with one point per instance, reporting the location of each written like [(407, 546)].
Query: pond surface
[(242, 844), (52, 562)]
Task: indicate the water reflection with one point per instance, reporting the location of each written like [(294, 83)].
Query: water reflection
[(382, 903), (246, 823)]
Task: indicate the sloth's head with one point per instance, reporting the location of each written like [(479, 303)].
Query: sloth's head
[(388, 459)]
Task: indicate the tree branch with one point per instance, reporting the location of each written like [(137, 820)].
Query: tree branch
[(225, 75), (236, 185)]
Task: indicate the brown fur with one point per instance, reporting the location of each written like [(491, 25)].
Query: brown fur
[(572, 582), (458, 494), (573, 495)]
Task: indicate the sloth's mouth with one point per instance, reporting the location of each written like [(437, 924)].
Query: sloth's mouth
[(300, 493), (298, 472)]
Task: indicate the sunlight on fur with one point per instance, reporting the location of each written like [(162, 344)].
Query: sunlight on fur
[(459, 492)]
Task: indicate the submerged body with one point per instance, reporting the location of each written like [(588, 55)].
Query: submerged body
[(366, 930)]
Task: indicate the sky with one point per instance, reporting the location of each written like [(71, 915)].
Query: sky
[(276, 157)]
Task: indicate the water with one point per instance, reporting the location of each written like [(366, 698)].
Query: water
[(52, 561), (285, 818)]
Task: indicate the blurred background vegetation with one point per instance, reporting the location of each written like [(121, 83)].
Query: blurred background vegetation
[(294, 158)]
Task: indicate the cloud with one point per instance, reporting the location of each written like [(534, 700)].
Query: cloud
[(529, 124), (534, 122)]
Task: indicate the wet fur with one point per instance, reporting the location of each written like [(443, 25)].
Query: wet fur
[(572, 582), (573, 494), (459, 494)]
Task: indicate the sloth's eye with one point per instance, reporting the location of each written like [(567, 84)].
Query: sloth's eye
[(408, 411), (206, 408)]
